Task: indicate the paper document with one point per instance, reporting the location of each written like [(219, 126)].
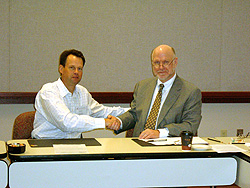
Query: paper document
[(164, 141), (226, 148), (198, 141), (173, 141), (248, 145), (70, 148)]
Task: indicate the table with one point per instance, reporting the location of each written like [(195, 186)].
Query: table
[(121, 162), (3, 165), (3, 152), (243, 161)]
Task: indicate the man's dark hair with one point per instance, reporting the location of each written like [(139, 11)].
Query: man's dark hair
[(66, 53)]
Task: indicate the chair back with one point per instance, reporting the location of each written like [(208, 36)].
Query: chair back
[(23, 125)]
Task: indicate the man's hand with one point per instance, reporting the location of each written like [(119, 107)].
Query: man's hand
[(149, 133), (112, 123)]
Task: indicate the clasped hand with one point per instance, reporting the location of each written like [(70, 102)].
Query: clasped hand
[(112, 123)]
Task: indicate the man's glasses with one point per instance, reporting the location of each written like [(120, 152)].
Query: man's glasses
[(157, 64)]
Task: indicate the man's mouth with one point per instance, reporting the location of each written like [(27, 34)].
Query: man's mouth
[(162, 72)]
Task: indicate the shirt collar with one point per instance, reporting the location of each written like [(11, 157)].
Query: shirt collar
[(63, 89), (168, 83)]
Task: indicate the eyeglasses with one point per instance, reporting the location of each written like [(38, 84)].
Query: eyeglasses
[(157, 64)]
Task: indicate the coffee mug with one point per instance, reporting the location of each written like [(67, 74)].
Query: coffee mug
[(186, 140)]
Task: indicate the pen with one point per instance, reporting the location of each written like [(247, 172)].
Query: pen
[(238, 143), (215, 140), (156, 140)]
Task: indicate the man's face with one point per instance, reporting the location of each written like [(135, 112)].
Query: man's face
[(164, 63), (71, 74)]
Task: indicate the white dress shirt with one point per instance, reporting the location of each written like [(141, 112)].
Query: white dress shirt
[(61, 114), (165, 91)]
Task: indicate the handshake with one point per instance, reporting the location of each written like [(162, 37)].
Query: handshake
[(112, 123)]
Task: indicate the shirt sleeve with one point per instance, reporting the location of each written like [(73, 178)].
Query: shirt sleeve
[(101, 111), (164, 133)]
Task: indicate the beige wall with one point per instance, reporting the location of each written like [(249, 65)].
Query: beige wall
[(211, 39), (215, 118)]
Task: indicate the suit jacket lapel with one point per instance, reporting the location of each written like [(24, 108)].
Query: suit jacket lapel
[(171, 99)]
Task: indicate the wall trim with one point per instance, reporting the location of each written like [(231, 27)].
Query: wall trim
[(126, 97)]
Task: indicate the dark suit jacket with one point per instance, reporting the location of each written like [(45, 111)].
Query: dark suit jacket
[(180, 111)]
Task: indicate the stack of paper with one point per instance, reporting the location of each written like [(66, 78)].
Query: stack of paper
[(226, 148), (174, 141), (70, 148)]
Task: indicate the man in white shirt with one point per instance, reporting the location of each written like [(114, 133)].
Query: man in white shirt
[(65, 109), (180, 104)]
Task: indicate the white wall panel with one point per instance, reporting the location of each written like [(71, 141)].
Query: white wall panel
[(210, 37)]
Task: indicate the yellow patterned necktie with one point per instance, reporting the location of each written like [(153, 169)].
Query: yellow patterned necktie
[(151, 121)]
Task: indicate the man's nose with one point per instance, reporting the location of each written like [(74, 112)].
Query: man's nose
[(161, 65)]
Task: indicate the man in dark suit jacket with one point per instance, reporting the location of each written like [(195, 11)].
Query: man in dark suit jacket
[(180, 106)]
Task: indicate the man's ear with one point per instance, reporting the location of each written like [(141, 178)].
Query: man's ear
[(60, 69), (175, 62)]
